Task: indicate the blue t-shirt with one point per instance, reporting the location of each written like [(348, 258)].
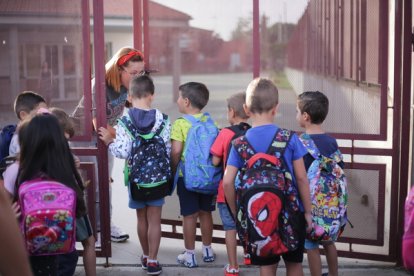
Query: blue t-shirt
[(326, 145), (260, 138)]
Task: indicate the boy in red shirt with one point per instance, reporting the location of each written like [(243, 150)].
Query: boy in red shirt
[(237, 118)]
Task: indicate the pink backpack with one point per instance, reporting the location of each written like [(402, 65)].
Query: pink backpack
[(48, 217), (408, 238)]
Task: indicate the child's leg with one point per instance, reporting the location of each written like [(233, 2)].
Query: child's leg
[(231, 246), (142, 229), (189, 230), (314, 257), (154, 230), (294, 269), (268, 270), (89, 256), (206, 223), (331, 258)]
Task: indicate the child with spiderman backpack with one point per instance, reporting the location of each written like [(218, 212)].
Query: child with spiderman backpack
[(328, 186), (273, 202), (237, 118), (196, 177), (143, 138), (50, 193)]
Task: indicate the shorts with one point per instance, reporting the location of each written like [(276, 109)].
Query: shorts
[(136, 204), (291, 256), (227, 218), (83, 228), (309, 244), (192, 202)]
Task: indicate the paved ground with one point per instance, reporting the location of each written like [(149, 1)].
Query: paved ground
[(125, 256)]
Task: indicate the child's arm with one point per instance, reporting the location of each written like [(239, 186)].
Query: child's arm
[(176, 151), (216, 160), (121, 145), (229, 189), (304, 192)]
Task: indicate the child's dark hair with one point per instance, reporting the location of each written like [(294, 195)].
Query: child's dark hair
[(261, 95), (141, 86), (27, 101), (64, 120), (236, 103), (196, 92), (316, 104), (45, 153)]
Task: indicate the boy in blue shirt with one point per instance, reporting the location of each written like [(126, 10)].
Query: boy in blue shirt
[(261, 104)]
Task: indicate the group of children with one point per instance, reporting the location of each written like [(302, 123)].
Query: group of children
[(141, 124), (259, 104)]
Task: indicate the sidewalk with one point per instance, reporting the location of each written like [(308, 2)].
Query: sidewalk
[(125, 258)]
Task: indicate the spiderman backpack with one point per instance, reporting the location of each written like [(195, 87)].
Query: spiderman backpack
[(267, 206), (48, 217)]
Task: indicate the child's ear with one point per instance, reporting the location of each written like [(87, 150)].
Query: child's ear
[(187, 102), (274, 109), (246, 110), (23, 115)]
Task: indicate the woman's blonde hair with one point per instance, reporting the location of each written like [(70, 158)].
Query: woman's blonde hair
[(113, 70)]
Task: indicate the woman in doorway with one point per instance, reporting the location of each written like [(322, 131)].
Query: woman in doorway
[(125, 64)]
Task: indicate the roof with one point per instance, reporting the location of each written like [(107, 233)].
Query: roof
[(112, 8)]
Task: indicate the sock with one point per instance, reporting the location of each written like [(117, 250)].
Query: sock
[(189, 251), (145, 256), (206, 247), (152, 261)]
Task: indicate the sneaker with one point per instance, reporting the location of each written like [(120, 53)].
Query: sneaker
[(117, 235), (230, 271), (187, 259), (325, 274), (154, 268), (208, 255), (144, 263)]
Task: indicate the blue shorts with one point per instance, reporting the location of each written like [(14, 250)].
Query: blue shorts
[(135, 204), (309, 244), (192, 202), (226, 217)]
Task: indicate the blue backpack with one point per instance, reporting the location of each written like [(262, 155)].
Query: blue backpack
[(199, 174), (6, 135), (147, 169)]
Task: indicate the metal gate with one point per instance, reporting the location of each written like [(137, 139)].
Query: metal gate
[(358, 52)]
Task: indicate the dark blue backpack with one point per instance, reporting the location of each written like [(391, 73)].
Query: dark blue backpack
[(148, 166), (6, 135)]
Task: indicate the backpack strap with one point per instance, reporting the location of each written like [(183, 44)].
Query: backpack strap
[(310, 145), (134, 133), (193, 120), (279, 142)]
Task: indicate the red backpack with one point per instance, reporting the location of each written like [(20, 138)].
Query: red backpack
[(408, 238)]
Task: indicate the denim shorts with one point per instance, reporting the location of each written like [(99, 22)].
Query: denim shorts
[(226, 217), (135, 204), (309, 244)]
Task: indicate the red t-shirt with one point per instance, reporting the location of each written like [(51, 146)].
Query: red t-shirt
[(220, 148)]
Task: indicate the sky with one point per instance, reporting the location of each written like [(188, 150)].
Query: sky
[(222, 15)]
